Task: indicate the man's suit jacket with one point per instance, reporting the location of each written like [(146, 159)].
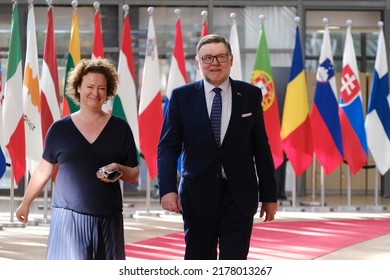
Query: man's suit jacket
[(244, 152)]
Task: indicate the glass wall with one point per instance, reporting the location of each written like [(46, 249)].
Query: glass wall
[(364, 34)]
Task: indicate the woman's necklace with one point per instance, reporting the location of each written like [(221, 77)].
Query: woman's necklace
[(87, 121), (90, 129)]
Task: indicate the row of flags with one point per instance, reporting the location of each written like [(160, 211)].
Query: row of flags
[(41, 98), (333, 130)]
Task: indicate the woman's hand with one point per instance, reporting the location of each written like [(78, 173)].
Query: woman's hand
[(22, 213), (129, 174)]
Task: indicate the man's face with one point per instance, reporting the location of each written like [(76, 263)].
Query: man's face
[(217, 71)]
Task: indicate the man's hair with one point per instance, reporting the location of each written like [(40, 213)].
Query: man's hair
[(213, 39)]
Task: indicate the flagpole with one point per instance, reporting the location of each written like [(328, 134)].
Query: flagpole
[(147, 211), (148, 193), (12, 196), (313, 186), (204, 17), (349, 200), (376, 187), (322, 203), (294, 191), (322, 183), (12, 222), (376, 206), (312, 203), (349, 192), (313, 180)]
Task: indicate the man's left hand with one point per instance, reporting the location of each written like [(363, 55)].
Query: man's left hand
[(269, 209)]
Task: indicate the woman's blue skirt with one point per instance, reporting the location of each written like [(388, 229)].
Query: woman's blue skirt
[(75, 236)]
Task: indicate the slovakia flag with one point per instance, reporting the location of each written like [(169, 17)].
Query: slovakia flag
[(351, 110)]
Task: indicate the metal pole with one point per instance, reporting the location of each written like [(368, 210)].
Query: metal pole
[(376, 186), (12, 199), (148, 192), (313, 181), (349, 186), (294, 191), (322, 182)]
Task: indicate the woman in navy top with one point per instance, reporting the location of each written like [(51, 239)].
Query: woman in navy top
[(86, 215)]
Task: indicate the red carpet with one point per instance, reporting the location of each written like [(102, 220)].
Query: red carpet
[(298, 240)]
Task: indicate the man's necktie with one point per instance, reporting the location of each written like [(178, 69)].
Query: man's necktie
[(215, 116)]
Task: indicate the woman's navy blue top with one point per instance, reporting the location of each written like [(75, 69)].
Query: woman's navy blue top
[(76, 186)]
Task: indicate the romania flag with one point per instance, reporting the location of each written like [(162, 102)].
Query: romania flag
[(296, 130)]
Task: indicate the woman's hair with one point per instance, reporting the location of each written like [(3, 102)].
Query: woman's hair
[(213, 39), (85, 66)]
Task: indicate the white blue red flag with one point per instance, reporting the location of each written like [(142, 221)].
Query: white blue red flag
[(324, 117), (351, 110), (177, 73)]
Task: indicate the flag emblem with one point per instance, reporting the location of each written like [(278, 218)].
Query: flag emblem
[(325, 71), (150, 47), (265, 82), (350, 86), (34, 91)]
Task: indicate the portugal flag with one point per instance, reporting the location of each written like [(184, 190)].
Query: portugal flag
[(262, 77)]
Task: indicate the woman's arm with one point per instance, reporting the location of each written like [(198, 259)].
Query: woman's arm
[(129, 174), (38, 181)]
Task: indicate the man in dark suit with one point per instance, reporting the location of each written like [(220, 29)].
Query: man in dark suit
[(225, 173)]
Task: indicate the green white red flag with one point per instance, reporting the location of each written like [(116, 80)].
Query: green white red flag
[(13, 120)]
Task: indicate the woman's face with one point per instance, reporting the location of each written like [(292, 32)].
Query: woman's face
[(93, 90)]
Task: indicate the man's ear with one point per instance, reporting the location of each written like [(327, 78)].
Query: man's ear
[(197, 63)]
